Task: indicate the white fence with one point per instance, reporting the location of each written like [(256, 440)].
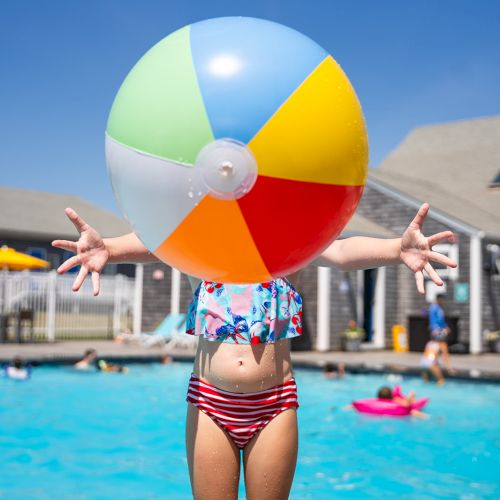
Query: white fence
[(43, 306)]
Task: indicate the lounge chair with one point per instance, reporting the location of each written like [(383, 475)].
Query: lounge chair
[(166, 331), (179, 339), (171, 324)]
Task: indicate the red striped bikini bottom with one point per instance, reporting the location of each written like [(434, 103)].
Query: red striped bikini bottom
[(242, 415)]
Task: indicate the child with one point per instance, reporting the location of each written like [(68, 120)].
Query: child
[(429, 362), (334, 370), (242, 395), (87, 361), (389, 394), (17, 371)]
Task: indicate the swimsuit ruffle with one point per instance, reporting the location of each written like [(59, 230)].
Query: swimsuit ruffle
[(245, 314)]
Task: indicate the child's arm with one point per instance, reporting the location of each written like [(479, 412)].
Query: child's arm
[(413, 249), (92, 252)]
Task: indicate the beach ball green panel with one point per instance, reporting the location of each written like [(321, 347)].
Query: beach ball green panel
[(159, 109)]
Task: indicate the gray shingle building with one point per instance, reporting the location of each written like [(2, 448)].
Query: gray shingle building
[(452, 166)]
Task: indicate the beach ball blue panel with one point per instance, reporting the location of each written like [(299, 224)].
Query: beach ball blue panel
[(247, 69)]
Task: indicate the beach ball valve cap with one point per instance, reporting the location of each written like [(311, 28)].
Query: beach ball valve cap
[(228, 168)]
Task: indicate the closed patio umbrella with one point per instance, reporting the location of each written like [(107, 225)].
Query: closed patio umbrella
[(17, 261)]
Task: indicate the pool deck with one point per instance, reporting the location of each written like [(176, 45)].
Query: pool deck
[(479, 367)]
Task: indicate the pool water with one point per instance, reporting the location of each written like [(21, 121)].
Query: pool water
[(66, 434)]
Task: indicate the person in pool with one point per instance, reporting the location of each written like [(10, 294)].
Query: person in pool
[(17, 371), (334, 370), (242, 395), (87, 361), (388, 394), (105, 366)]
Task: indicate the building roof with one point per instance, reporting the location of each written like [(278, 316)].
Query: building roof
[(40, 215), (451, 166), (359, 226)]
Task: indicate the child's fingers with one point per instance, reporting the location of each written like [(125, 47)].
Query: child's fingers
[(419, 219), (96, 284), (433, 275), (65, 245), (438, 237), (69, 264), (79, 279), (419, 278), (77, 221), (442, 259)]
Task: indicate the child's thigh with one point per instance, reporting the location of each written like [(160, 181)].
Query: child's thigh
[(270, 458), (213, 459)]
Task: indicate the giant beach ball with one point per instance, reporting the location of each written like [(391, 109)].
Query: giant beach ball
[(237, 150)]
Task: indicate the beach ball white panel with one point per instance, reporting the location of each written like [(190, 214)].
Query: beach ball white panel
[(155, 194)]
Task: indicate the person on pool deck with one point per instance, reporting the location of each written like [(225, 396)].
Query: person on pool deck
[(389, 394), (438, 327), (242, 395), (87, 361)]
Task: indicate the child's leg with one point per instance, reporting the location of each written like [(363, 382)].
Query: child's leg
[(270, 458), (214, 460), (438, 374)]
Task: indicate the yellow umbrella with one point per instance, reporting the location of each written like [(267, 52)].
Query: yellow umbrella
[(17, 261)]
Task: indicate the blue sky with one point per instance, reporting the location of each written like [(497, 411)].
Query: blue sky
[(411, 63)]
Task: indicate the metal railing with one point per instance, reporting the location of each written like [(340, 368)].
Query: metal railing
[(55, 312)]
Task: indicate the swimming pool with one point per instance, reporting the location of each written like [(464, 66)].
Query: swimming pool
[(66, 434)]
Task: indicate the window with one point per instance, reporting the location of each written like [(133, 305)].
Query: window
[(39, 253), (451, 251), (495, 182), (54, 259)]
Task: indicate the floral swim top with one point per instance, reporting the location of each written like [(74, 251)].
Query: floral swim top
[(245, 314)]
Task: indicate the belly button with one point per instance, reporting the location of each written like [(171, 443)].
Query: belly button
[(240, 363)]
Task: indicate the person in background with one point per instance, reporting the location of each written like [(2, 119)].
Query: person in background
[(332, 370), (353, 330), (166, 359), (438, 327), (388, 394), (105, 366), (430, 359), (87, 361), (17, 371)]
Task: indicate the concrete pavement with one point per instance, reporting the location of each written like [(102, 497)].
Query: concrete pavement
[(484, 366)]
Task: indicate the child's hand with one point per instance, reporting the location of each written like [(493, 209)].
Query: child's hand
[(416, 250), (91, 252)]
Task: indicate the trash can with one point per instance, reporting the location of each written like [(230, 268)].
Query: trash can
[(418, 327), (399, 338)]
